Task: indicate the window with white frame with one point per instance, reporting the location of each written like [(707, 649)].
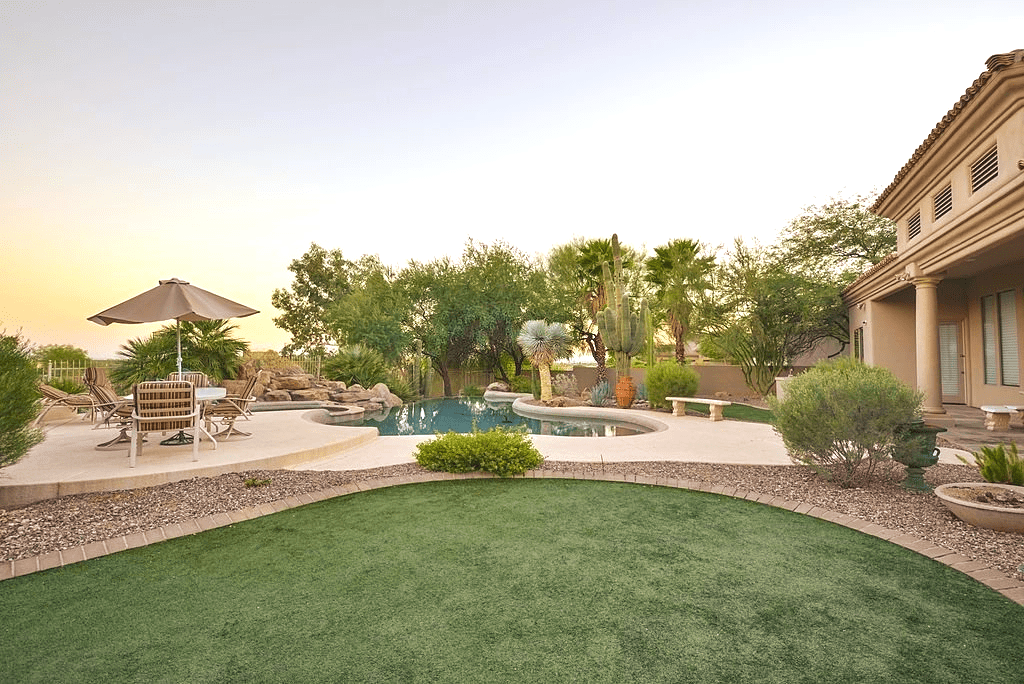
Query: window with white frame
[(999, 339)]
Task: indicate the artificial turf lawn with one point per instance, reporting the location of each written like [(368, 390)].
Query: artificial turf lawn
[(513, 581), (749, 414)]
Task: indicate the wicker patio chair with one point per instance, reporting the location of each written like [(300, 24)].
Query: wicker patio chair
[(115, 411), (231, 408), (53, 398), (163, 406)]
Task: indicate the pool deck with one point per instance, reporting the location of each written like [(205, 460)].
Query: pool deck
[(67, 462)]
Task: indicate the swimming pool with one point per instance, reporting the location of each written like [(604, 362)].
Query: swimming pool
[(460, 415)]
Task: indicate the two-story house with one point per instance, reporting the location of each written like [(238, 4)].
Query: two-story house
[(945, 311)]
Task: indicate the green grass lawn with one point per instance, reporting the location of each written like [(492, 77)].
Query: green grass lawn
[(513, 581)]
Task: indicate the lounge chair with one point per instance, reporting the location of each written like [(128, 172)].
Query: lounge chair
[(163, 407), (53, 398), (112, 407), (231, 408)]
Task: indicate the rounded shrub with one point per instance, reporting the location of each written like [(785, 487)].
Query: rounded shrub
[(498, 451), (670, 379), (843, 418)]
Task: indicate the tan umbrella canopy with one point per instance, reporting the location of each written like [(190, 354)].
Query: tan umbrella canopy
[(173, 299)]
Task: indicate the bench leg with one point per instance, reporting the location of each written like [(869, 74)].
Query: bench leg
[(715, 412), (997, 421), (678, 408)]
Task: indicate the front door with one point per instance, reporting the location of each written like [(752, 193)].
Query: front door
[(951, 363)]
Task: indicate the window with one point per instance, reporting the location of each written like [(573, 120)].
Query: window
[(984, 170), (914, 226), (1009, 366), (858, 343), (944, 202), (999, 339)]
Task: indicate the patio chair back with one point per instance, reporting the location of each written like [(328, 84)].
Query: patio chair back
[(163, 406), (197, 379)]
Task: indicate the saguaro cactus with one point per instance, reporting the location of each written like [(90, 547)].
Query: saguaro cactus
[(623, 330)]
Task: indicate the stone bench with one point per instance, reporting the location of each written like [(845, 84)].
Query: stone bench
[(998, 417), (714, 406)]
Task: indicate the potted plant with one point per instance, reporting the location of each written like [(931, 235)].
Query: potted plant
[(997, 504)]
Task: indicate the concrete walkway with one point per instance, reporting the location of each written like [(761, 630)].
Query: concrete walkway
[(67, 462)]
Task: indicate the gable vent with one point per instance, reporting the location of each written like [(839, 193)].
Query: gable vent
[(944, 202), (984, 170), (914, 226)]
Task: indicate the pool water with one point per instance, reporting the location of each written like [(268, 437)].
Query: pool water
[(461, 415)]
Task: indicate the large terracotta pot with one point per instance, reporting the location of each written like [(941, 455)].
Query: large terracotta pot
[(625, 391)]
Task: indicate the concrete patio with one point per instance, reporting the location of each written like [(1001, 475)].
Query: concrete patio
[(67, 462)]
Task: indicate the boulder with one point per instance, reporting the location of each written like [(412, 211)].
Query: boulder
[(393, 400), (499, 386), (292, 382), (277, 395), (311, 394)]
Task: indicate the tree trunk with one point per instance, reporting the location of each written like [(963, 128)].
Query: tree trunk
[(681, 351), (545, 382), (600, 355)]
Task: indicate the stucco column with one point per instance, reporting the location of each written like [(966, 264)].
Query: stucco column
[(929, 379)]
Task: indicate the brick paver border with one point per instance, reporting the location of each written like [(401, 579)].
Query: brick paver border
[(1009, 587)]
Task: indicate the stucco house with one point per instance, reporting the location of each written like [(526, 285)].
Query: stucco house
[(944, 312)]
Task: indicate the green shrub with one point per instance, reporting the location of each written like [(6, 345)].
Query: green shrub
[(498, 451), (67, 385), (999, 464), (670, 379), (19, 400), (472, 391), (843, 418), (523, 384), (358, 364)]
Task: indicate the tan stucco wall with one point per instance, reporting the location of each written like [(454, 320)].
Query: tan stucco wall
[(889, 334)]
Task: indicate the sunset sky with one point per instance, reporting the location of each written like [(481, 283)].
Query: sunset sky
[(214, 141)]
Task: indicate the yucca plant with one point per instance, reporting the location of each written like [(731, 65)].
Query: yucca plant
[(544, 343), (1000, 464)]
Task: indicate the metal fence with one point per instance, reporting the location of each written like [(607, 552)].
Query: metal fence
[(69, 370)]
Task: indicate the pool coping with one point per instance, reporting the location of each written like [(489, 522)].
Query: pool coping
[(992, 578)]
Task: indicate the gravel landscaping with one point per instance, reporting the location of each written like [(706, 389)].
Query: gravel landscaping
[(71, 521)]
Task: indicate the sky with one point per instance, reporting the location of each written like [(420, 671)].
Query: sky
[(215, 141)]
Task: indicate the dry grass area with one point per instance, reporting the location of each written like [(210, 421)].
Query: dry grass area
[(75, 520)]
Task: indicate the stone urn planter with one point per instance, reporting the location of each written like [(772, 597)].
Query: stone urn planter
[(915, 448), (625, 391), (985, 504)]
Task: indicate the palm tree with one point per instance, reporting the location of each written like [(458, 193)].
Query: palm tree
[(206, 346), (680, 272), (544, 344)]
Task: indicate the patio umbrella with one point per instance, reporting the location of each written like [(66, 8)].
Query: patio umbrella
[(173, 299)]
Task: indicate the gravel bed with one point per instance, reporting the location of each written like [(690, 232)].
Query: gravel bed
[(71, 521)]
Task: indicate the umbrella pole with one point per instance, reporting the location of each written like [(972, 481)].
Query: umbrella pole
[(177, 325), (182, 437)]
